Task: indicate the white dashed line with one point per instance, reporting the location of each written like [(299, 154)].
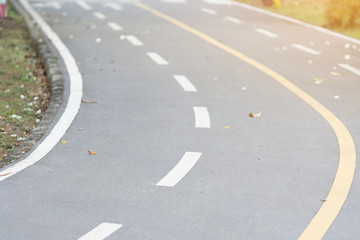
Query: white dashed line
[(84, 5), (114, 6), (350, 68), (306, 49), (99, 15), (266, 33), (209, 11), (101, 232), (114, 26), (133, 40), (185, 83), (186, 163), (233, 20), (157, 58), (220, 2), (202, 118)]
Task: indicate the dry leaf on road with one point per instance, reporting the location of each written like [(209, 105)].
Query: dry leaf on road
[(63, 141), (92, 152), (255, 115), (86, 101), (3, 175)]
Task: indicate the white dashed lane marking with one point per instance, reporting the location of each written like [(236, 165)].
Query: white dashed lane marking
[(233, 20), (99, 15), (186, 163), (209, 11), (266, 33), (174, 1), (84, 5), (157, 58), (114, 6), (101, 232), (202, 117), (114, 26), (185, 83), (133, 40), (306, 49), (350, 68)]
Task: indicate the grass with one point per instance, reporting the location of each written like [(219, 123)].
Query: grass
[(312, 12), (24, 91)]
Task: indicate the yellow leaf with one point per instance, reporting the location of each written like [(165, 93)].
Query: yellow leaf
[(255, 115), (335, 73), (318, 80), (63, 141), (86, 101), (227, 127), (92, 152)]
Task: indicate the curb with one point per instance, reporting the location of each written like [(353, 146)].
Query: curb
[(55, 78)]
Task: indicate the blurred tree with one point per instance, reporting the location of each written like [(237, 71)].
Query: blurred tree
[(342, 13)]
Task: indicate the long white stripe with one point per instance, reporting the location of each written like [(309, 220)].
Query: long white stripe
[(72, 106), (102, 231), (350, 68), (209, 11), (84, 5), (305, 49), (99, 15), (174, 1), (186, 163), (133, 40), (114, 6), (185, 83), (202, 118), (157, 58), (114, 26), (233, 20), (266, 33)]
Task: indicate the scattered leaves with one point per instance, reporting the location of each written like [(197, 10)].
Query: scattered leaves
[(92, 152), (86, 101), (63, 141), (255, 115)]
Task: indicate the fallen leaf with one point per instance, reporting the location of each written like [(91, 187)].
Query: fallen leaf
[(335, 73), (323, 200), (92, 152), (63, 141), (318, 80), (255, 115), (3, 175), (227, 127), (86, 101)]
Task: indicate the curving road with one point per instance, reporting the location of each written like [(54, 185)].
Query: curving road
[(177, 154)]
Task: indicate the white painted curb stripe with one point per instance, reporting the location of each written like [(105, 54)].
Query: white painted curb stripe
[(134, 40), (99, 15), (101, 232), (72, 106), (209, 11), (84, 5), (350, 68), (306, 49), (114, 6), (266, 33), (114, 26), (185, 83), (233, 20), (187, 162), (202, 118), (157, 58)]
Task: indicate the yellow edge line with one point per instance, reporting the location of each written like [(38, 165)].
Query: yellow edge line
[(321, 222)]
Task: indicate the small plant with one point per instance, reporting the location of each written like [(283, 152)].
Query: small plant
[(342, 13)]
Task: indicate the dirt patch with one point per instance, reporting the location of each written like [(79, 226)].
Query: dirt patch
[(10, 23)]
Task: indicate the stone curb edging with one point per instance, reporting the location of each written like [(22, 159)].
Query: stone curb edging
[(55, 78)]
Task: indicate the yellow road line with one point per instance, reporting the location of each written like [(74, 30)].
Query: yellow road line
[(340, 188)]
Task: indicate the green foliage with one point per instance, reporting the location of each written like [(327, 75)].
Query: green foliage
[(342, 13)]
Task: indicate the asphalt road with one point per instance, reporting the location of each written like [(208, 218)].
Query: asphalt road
[(177, 154)]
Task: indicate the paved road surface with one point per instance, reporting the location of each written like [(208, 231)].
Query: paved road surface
[(177, 154)]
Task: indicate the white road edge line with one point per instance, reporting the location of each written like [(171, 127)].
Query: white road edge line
[(306, 49), (266, 33), (185, 83), (99, 15), (350, 68), (71, 108), (114, 26), (186, 163), (157, 58), (101, 232), (209, 11), (233, 20), (84, 5), (134, 40), (202, 118)]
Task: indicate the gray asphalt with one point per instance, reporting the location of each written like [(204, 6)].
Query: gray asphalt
[(257, 178)]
